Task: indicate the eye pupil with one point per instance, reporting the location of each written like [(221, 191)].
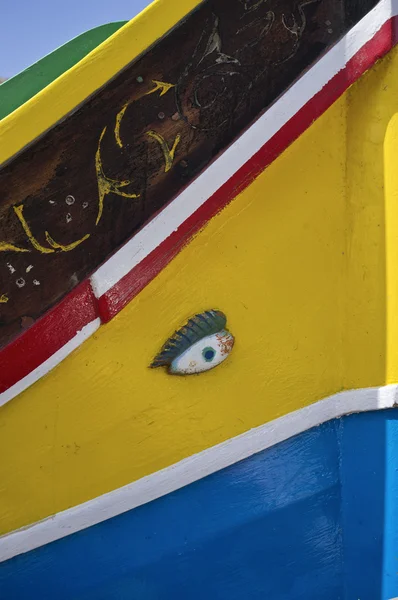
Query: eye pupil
[(209, 354)]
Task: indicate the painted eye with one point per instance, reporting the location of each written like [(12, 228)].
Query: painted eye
[(202, 344)]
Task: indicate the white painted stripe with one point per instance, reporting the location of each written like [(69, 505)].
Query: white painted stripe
[(80, 337), (222, 169), (194, 468)]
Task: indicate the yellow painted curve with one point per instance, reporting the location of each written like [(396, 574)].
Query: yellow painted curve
[(391, 208), (297, 262), (74, 86)]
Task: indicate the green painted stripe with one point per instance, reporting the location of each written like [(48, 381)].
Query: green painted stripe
[(16, 91)]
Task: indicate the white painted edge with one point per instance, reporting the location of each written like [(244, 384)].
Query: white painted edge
[(222, 169), (21, 385), (194, 468)]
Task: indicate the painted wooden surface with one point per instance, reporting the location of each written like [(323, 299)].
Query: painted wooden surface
[(194, 468), (284, 253), (139, 261), (19, 89), (268, 527), (97, 177), (303, 520), (368, 460), (130, 433), (57, 100), (391, 246)]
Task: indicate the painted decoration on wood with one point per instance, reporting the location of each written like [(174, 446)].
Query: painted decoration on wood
[(202, 344), (77, 194)]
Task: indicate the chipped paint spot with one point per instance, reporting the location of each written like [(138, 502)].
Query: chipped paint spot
[(226, 343)]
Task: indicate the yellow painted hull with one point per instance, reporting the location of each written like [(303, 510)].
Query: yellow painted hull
[(303, 262)]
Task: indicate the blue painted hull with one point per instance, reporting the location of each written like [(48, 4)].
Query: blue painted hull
[(313, 518)]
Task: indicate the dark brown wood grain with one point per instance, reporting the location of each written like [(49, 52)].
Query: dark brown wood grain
[(138, 141)]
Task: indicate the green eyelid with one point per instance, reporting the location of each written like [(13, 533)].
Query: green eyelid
[(197, 328)]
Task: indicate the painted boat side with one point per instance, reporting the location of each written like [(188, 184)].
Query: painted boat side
[(134, 266), (61, 442), (194, 468), (64, 94), (281, 234), (86, 186), (305, 519)]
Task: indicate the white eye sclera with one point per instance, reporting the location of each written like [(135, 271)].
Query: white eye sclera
[(204, 355), (200, 345)]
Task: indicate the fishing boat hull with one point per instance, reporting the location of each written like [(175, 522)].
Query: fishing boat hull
[(198, 310)]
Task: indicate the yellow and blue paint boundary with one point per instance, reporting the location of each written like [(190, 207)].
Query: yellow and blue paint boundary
[(313, 517)]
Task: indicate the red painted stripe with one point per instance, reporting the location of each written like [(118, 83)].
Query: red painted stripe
[(132, 283), (47, 335)]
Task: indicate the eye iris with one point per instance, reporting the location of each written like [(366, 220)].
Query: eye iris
[(208, 354)]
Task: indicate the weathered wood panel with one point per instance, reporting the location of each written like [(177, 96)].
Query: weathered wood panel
[(77, 194)]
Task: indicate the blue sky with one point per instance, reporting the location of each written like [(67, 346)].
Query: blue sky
[(30, 29)]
